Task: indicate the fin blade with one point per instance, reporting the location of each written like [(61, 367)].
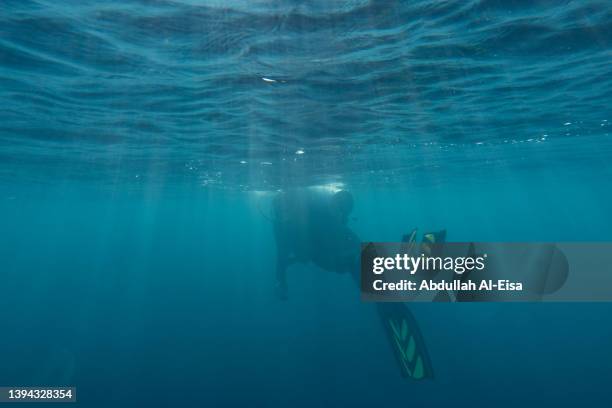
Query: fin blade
[(406, 340)]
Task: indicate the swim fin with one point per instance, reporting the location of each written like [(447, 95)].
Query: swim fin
[(400, 326), (433, 243), (406, 340)]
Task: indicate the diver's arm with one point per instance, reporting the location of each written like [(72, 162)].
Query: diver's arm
[(282, 252), (281, 271), (281, 277), (282, 263)]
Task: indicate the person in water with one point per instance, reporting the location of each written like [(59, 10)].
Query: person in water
[(311, 225)]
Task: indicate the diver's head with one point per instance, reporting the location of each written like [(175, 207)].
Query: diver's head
[(342, 202)]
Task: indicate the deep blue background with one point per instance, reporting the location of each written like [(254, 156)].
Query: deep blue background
[(142, 297)]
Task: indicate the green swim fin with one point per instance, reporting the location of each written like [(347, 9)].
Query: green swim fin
[(400, 326), (406, 340)]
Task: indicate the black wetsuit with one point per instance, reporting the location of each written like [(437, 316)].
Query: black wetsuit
[(310, 226)]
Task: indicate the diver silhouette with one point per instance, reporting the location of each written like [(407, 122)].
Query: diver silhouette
[(310, 225)]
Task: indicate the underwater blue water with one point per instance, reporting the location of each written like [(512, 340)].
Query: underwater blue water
[(141, 144)]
